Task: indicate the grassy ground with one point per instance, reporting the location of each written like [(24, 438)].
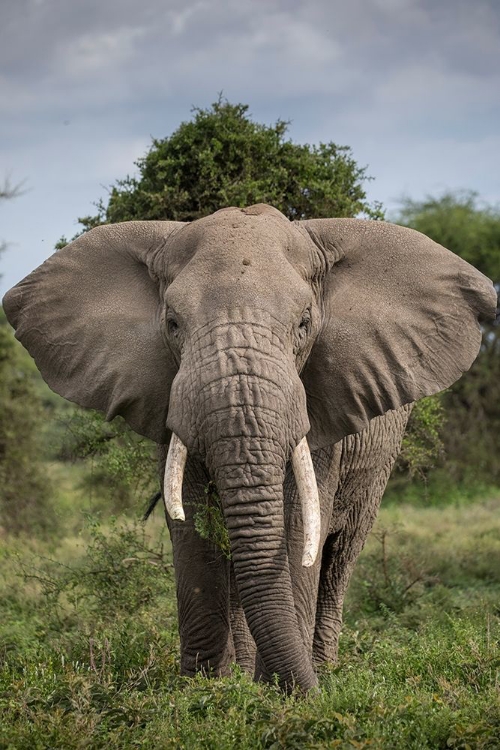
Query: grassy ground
[(89, 647)]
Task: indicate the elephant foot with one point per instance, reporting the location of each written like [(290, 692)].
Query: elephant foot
[(214, 665)]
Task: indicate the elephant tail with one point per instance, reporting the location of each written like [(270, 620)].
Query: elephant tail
[(151, 505)]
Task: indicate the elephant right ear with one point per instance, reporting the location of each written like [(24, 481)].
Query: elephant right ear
[(401, 321), (90, 316)]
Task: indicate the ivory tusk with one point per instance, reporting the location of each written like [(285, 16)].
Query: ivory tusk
[(309, 500), (174, 474)]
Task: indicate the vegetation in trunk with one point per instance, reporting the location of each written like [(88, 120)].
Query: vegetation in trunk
[(209, 520)]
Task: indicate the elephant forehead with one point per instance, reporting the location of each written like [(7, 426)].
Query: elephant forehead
[(232, 234), (239, 265), (212, 283)]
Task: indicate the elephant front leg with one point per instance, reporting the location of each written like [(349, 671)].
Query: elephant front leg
[(366, 464), (340, 553), (202, 584)]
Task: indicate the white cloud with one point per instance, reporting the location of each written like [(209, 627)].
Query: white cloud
[(293, 40), (411, 85), (180, 20), (94, 53)]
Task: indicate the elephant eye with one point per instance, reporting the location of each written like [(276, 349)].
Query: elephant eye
[(172, 325), (305, 322)]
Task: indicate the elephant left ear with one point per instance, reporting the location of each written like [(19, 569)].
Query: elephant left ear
[(401, 321), (91, 317)]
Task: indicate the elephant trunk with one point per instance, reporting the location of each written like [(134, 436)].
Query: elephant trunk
[(241, 407), (252, 496), (252, 499)]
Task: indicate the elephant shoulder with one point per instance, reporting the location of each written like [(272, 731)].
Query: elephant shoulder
[(372, 448)]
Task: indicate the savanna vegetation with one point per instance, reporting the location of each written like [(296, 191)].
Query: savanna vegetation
[(89, 646), (88, 641)]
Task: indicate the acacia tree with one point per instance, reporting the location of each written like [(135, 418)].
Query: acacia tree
[(223, 158), (471, 434)]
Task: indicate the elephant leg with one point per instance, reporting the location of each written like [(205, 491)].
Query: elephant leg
[(366, 463), (244, 644), (340, 553), (202, 584)]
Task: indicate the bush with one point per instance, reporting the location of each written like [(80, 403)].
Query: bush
[(122, 465), (25, 491)]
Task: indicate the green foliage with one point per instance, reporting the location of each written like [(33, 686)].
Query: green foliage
[(122, 463), (87, 661), (209, 520), (426, 563), (472, 436), (223, 158), (120, 572), (422, 446), (24, 485), (390, 583)]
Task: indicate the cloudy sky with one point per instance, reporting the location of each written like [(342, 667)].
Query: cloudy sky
[(413, 86)]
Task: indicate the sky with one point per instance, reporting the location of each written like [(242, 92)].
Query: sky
[(412, 86)]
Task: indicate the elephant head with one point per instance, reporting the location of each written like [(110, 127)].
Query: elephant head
[(247, 338)]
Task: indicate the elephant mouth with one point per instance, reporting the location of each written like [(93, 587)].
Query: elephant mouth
[(306, 486)]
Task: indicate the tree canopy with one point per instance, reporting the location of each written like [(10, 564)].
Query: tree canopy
[(221, 158)]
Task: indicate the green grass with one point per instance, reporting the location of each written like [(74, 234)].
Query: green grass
[(90, 654)]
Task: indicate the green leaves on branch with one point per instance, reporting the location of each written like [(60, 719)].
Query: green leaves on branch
[(422, 446), (121, 572), (223, 158), (209, 521), (24, 486), (121, 460)]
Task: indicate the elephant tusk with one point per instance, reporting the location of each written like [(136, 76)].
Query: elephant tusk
[(174, 474), (309, 500)]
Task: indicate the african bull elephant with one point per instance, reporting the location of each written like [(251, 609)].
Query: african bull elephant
[(277, 359)]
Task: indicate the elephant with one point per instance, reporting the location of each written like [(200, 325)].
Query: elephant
[(277, 359)]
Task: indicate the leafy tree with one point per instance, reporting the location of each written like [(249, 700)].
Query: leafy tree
[(123, 463), (24, 487), (223, 158), (471, 435)]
